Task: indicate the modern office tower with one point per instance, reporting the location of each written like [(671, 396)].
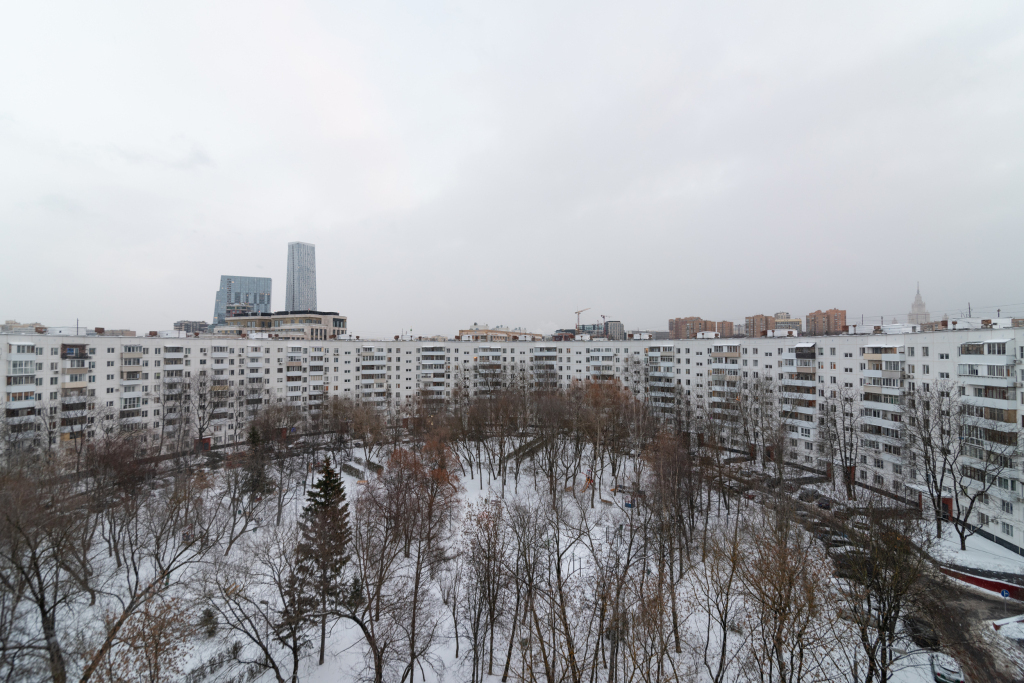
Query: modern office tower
[(235, 289), (300, 290), (918, 311)]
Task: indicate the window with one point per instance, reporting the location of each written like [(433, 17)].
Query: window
[(879, 463), (1007, 507), (1007, 529), (910, 351), (924, 350)]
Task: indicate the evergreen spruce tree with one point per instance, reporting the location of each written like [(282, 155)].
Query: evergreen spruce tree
[(323, 547)]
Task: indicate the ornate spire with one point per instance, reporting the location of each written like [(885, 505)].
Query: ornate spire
[(918, 311)]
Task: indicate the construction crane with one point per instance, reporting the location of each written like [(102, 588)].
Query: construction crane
[(578, 316)]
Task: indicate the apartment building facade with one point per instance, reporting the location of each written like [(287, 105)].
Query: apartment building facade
[(758, 325), (784, 321), (288, 325), (827, 322), (690, 327), (62, 388), (192, 326)]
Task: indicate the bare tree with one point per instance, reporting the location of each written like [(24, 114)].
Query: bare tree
[(882, 581), (716, 597), (37, 531), (839, 434), (152, 645), (259, 598), (786, 584), (988, 447), (932, 429)]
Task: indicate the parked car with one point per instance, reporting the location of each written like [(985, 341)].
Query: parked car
[(945, 669), (825, 503), (861, 523), (807, 496), (834, 540)]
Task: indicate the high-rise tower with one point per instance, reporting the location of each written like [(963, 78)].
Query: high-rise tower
[(300, 290), (248, 294), (918, 311)]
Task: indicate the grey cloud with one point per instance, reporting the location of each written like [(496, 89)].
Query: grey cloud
[(517, 161), (192, 158)]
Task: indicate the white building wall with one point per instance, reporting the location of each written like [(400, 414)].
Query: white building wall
[(129, 377)]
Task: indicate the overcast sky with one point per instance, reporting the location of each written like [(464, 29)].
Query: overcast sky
[(509, 163)]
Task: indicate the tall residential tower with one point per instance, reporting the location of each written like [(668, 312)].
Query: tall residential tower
[(300, 290)]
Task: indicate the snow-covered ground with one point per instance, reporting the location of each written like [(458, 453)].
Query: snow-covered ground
[(981, 553), (346, 651)]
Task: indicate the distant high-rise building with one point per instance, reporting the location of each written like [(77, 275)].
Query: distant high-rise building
[(689, 328), (236, 289), (300, 289), (758, 325), (614, 330), (192, 326), (783, 321), (821, 323), (919, 314)]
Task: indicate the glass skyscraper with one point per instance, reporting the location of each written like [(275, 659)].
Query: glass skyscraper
[(243, 294), (300, 289)]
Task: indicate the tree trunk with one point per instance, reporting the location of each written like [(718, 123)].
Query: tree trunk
[(323, 637)]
